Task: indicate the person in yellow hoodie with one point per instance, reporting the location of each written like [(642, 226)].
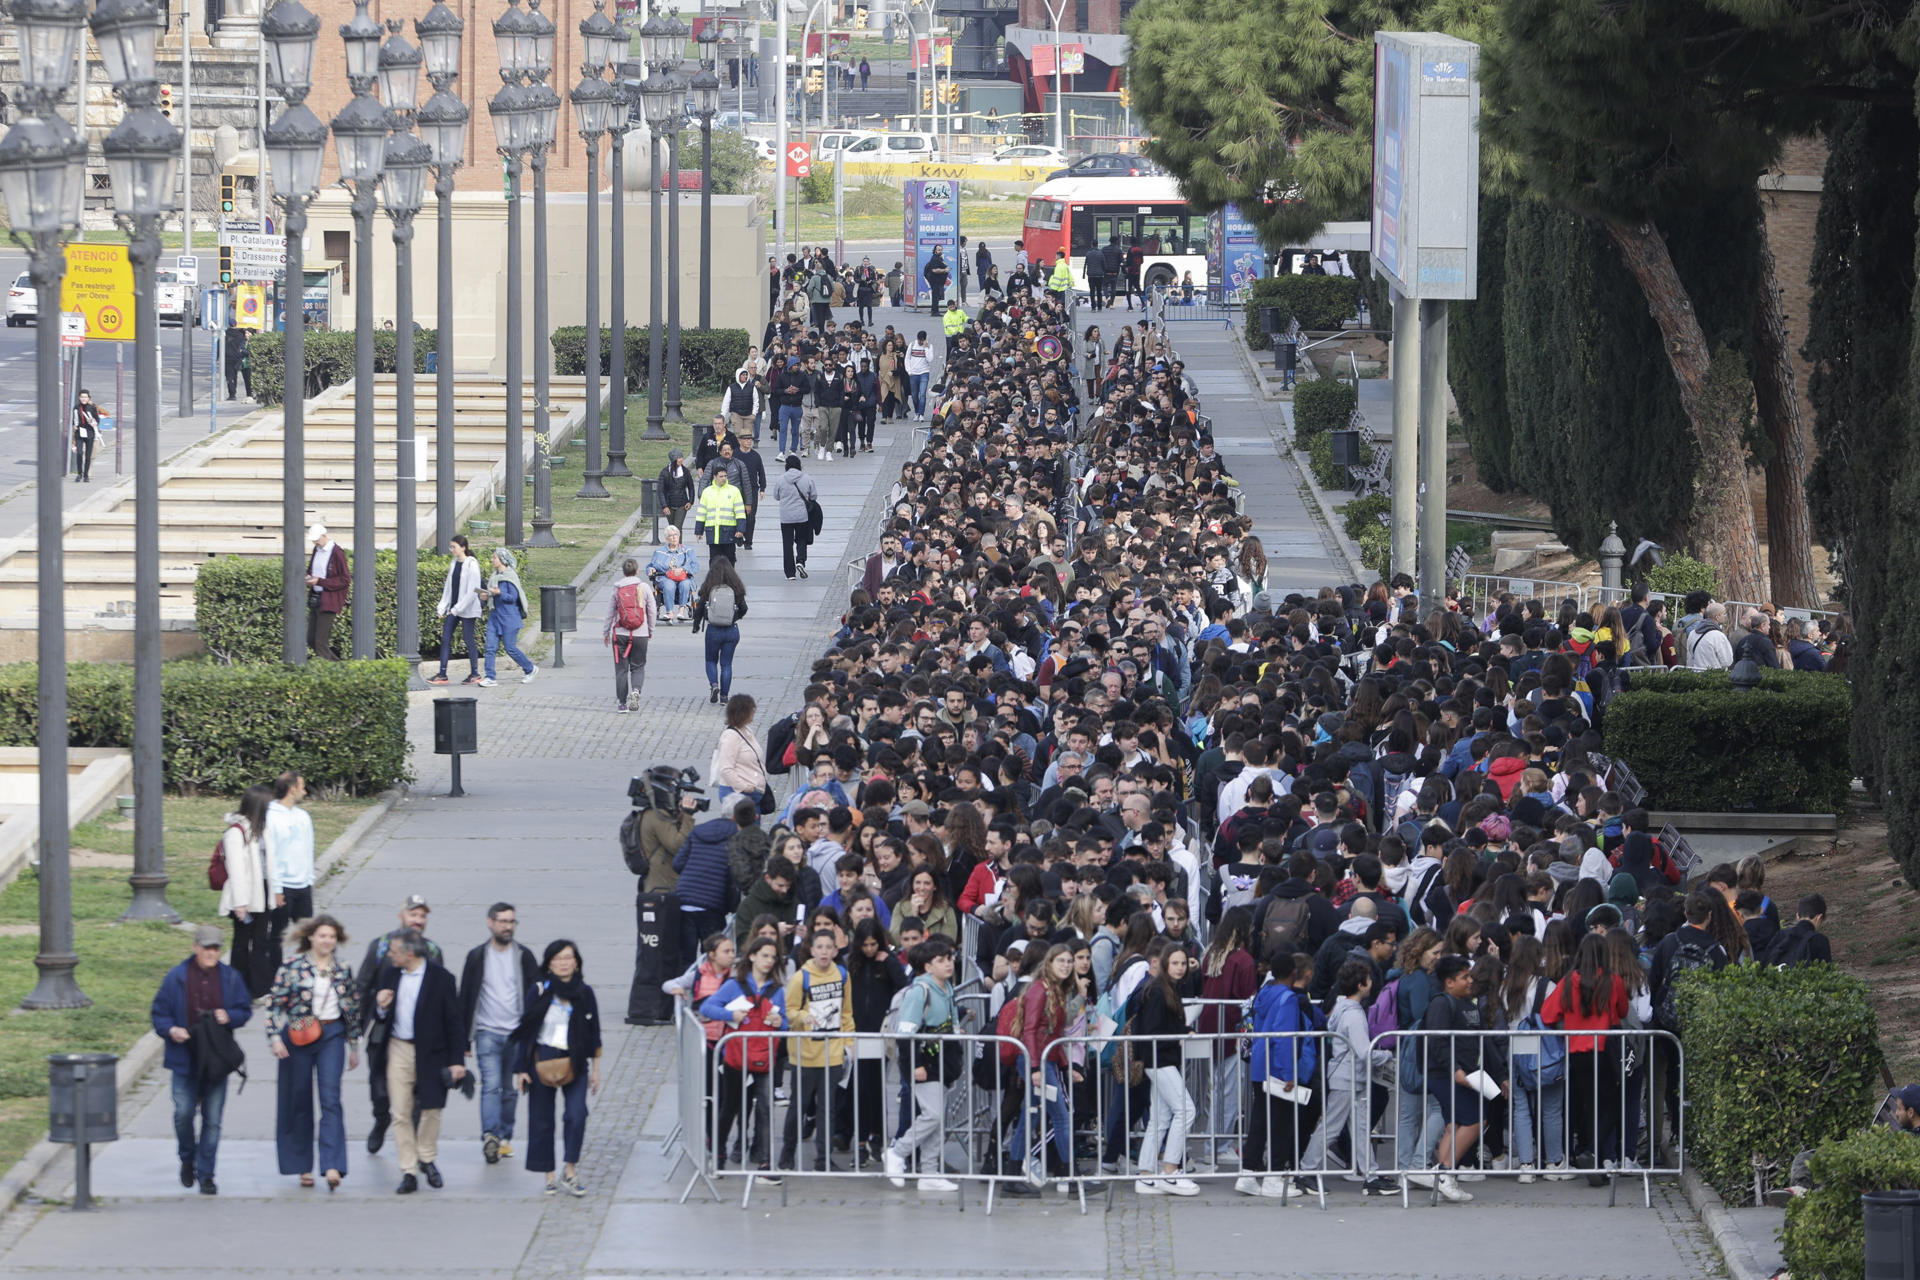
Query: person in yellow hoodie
[(817, 1002)]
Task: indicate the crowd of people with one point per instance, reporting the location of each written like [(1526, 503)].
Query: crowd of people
[(1068, 736)]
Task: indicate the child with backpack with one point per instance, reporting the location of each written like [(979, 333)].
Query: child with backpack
[(751, 1000), (926, 1010), (817, 1001), (1539, 1067), (1281, 1070)]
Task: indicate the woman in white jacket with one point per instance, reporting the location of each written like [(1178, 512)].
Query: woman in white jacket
[(246, 896)]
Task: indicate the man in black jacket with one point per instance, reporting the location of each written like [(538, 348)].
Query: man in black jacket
[(1320, 920), (753, 484), (676, 487), (420, 1006), (413, 915), (493, 992)]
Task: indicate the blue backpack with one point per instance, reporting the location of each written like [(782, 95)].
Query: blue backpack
[(1549, 1065)]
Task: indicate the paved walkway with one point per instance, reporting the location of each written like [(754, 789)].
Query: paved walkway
[(538, 828)]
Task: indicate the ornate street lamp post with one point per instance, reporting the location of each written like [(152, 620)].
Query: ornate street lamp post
[(443, 127), (706, 105), (593, 100), (546, 116), (513, 110)]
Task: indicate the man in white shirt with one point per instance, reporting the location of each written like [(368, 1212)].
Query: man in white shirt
[(425, 1045), (919, 368), (289, 857), (493, 988)]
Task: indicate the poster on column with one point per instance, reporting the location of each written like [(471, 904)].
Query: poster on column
[(1234, 255), (932, 218)]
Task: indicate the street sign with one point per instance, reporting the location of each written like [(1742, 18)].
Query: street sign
[(249, 306), (98, 288), (799, 160), (187, 267), (213, 310), (73, 329), (252, 256)]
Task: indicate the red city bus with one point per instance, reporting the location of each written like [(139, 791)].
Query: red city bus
[(1077, 214)]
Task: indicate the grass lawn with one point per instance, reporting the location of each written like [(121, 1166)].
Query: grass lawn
[(120, 964), (583, 525), (996, 219)]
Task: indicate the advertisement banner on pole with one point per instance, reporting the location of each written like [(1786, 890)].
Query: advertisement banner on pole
[(98, 287), (1234, 255), (932, 218), (1073, 58), (1043, 59)]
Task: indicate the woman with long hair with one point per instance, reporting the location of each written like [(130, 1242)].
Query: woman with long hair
[(558, 1055), (1093, 361), (1043, 1020), (1539, 1109), (746, 1061), (719, 605), (312, 1016), (243, 851), (1250, 569), (1634, 1054), (927, 902), (873, 976), (737, 766), (1589, 999), (1228, 975), (1157, 1010)]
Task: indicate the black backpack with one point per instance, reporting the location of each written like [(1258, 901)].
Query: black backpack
[(1791, 946), (1284, 927), (215, 1052), (630, 849), (1687, 956)]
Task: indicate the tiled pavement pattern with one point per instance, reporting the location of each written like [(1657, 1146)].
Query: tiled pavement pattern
[(538, 828)]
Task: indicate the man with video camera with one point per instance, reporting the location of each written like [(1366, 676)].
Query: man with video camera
[(665, 800)]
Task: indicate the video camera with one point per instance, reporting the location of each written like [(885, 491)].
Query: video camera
[(662, 786)]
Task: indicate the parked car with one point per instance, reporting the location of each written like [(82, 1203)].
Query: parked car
[(1107, 164), (1032, 153), (895, 147), (23, 302), (827, 145), (764, 149), (171, 298)]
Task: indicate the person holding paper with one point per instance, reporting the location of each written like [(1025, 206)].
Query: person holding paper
[(1457, 1076), (751, 1000), (816, 1001), (1352, 1062), (1284, 1057)]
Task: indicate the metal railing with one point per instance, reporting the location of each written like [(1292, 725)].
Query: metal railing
[(1169, 304)]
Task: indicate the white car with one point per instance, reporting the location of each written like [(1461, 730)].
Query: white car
[(1032, 153), (893, 147), (764, 149), (170, 296), (23, 302)]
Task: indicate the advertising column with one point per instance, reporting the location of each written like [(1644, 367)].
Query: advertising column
[(932, 218)]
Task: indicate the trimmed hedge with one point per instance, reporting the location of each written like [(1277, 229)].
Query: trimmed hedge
[(329, 354), (1695, 742), (708, 357), (236, 606), (1363, 514), (342, 725), (1322, 405), (1320, 458), (1317, 302), (1777, 1061), (1825, 1235), (1680, 573)]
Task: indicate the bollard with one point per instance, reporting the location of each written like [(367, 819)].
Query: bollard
[(1892, 1220), (650, 504), (1613, 557), (558, 615), (83, 1107), (456, 733)]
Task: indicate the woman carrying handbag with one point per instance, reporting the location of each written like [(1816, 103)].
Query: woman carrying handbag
[(558, 1046), (737, 766), (313, 1016)]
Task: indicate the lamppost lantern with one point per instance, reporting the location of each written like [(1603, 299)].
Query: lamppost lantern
[(513, 35), (592, 102), (125, 30), (143, 162), (512, 118), (622, 108), (439, 33), (42, 168), (656, 101), (706, 93), (399, 71), (290, 31), (656, 41), (600, 38), (296, 149), (403, 178), (546, 115), (709, 40), (360, 139), (362, 38), (543, 31), (49, 37), (443, 127)]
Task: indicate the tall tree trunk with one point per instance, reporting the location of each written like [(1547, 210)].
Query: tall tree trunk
[(1789, 524), (1722, 519)]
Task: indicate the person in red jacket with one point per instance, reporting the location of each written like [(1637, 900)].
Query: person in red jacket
[(327, 581), (1043, 1019), (1590, 999)]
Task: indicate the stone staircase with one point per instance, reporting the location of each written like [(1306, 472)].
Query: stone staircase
[(223, 497)]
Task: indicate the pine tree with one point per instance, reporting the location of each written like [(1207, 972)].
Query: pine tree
[(1477, 354)]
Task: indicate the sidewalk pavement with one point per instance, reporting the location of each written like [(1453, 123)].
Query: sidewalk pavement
[(538, 828)]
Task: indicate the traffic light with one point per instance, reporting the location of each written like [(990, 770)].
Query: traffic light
[(926, 99), (816, 81), (226, 263), (1126, 96), (950, 93), (226, 193), (166, 101), (860, 18)]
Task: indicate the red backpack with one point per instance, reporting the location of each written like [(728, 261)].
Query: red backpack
[(217, 865), (629, 610), (752, 1054)]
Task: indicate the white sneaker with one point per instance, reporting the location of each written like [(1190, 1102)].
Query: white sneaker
[(1450, 1191), (1527, 1173), (1275, 1187), (1179, 1187), (1421, 1180), (1630, 1165), (531, 673), (1474, 1176), (1562, 1172), (1148, 1187), (1228, 1155), (895, 1165), (1247, 1186), (488, 682), (937, 1185)]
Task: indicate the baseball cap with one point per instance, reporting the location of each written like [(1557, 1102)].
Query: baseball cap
[(1909, 1096), (208, 935), (315, 532), (916, 809), (415, 900)]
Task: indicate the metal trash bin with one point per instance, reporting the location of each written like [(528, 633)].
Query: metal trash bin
[(1346, 448), (559, 608), (456, 732), (1274, 321), (1893, 1234), (650, 504), (83, 1107)]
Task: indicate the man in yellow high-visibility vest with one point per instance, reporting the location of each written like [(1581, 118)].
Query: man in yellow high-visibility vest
[(719, 514), (954, 323), (1060, 283)]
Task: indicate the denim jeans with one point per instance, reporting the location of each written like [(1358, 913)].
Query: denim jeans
[(194, 1096), (789, 441), (1058, 1121), (721, 642), (306, 1067), (573, 1122), (917, 389), (448, 625), (497, 639), (1546, 1106), (675, 595), (1418, 1125), (496, 1083)]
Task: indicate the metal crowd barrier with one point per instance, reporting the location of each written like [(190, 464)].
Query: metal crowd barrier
[(1169, 304), (1557, 1116)]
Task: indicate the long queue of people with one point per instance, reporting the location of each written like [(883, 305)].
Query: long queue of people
[(1070, 740)]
